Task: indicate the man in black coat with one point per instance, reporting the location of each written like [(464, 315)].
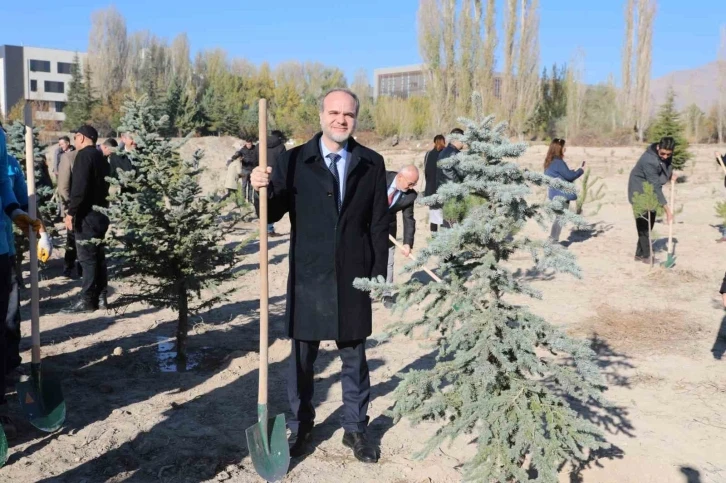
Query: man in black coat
[(430, 170), (335, 192), (89, 188), (401, 197), (275, 147)]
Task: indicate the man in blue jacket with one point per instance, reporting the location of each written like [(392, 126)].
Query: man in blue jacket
[(11, 208)]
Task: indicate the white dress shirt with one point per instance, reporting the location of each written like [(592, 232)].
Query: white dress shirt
[(342, 163)]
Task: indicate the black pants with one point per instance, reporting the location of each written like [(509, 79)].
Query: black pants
[(71, 255), (642, 250), (433, 227), (6, 273), (12, 325), (354, 378), (93, 262)]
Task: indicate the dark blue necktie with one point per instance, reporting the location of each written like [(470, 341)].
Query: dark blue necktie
[(334, 157)]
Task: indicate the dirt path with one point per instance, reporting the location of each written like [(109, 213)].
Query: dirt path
[(656, 333)]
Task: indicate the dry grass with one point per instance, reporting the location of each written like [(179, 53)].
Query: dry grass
[(641, 331), (667, 277)]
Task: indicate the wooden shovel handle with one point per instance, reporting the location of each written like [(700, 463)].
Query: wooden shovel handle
[(32, 211), (673, 214), (264, 286), (410, 255)]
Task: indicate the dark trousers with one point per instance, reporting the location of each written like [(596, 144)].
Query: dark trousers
[(95, 272), (433, 227), (642, 250), (6, 273), (71, 255), (354, 378), (12, 325)]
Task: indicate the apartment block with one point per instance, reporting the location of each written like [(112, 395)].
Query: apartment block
[(36, 74), (408, 81)]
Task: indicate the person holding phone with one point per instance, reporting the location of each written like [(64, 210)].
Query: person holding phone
[(556, 167)]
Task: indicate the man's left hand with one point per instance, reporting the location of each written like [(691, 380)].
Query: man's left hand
[(406, 250), (68, 221), (23, 221)]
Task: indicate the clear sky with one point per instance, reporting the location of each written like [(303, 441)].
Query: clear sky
[(353, 34)]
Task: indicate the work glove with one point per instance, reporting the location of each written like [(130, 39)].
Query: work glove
[(23, 221), (45, 247)]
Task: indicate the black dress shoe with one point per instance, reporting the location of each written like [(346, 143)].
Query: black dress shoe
[(300, 442), (362, 448), (102, 302), (79, 307)]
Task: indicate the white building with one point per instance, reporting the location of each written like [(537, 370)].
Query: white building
[(36, 74)]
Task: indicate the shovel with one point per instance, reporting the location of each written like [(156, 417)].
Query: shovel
[(410, 255), (41, 397), (671, 259), (266, 439)]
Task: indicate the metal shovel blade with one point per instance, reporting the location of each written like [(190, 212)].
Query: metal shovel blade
[(670, 261), (267, 443), (3, 447), (41, 398)]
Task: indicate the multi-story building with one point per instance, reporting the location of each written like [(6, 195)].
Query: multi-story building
[(36, 74), (407, 81)]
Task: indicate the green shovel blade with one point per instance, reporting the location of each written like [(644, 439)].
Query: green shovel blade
[(670, 261), (3, 447), (267, 443), (41, 399)]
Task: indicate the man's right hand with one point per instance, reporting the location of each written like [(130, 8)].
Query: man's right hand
[(260, 178)]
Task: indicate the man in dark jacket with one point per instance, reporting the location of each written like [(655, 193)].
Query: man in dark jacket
[(653, 167), (275, 147), (89, 188), (721, 160), (430, 170), (335, 192), (248, 153), (401, 197), (116, 162)]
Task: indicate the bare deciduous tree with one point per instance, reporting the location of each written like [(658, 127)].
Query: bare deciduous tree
[(508, 89), (449, 49), (468, 46), (107, 51), (486, 78), (575, 87), (626, 100), (429, 41), (646, 16), (527, 80), (722, 87)]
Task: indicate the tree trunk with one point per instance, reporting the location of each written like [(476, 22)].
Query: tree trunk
[(183, 327)]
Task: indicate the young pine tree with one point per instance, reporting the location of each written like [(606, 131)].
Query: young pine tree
[(168, 241), (647, 207), (47, 207), (502, 373), (668, 123), (79, 108)]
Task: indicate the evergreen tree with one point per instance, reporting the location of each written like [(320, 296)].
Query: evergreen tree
[(47, 207), (191, 118), (79, 108), (668, 123), (168, 242), (173, 107), (553, 101), (502, 372), (646, 206)]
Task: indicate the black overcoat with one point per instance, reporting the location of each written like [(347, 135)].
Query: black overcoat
[(329, 250)]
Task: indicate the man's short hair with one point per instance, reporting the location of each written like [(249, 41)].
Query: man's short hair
[(341, 89), (110, 143), (439, 137), (278, 134), (667, 143), (457, 130), (65, 138)]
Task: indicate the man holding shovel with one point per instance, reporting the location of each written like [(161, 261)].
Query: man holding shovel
[(653, 167), (335, 192)]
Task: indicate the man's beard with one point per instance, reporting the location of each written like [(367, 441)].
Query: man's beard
[(337, 137)]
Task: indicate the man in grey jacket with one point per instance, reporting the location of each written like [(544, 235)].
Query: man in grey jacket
[(653, 167)]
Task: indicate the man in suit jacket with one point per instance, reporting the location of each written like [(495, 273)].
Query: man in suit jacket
[(430, 174), (334, 190), (401, 197)]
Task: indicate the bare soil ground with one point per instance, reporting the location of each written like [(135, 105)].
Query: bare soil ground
[(655, 331)]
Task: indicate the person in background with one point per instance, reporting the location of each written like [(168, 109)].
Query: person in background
[(275, 147), (64, 145), (556, 167), (430, 170), (22, 220), (89, 188), (116, 162), (401, 197), (249, 162), (65, 171), (723, 291), (454, 147), (234, 173), (654, 167), (723, 226)]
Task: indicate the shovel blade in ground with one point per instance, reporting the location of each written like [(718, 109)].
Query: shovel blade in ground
[(268, 447), (3, 447), (670, 261), (41, 398)]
